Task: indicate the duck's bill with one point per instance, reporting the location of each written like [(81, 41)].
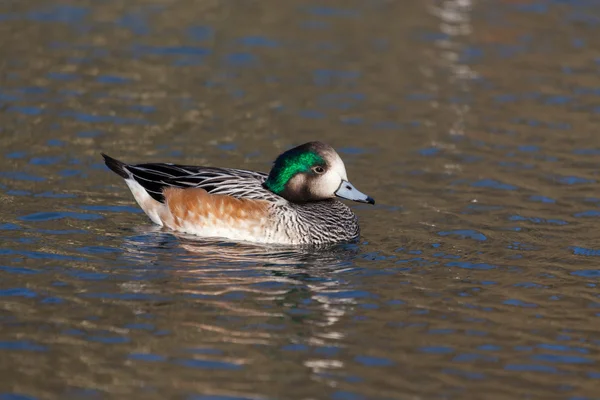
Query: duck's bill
[(349, 192)]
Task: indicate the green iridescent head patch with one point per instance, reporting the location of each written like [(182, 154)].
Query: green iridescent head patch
[(289, 164)]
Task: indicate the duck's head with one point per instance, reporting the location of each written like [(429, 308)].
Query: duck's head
[(312, 172)]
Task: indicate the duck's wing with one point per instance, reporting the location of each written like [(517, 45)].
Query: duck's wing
[(155, 177)]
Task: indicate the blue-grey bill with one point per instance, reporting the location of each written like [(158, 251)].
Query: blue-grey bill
[(349, 192)]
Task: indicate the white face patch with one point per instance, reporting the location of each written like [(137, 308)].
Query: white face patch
[(325, 186)]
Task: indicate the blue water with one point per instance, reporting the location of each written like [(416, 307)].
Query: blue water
[(473, 126)]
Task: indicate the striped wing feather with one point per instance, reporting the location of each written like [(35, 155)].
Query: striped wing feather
[(227, 181)]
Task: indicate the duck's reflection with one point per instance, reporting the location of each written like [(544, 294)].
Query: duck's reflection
[(257, 295), (151, 243)]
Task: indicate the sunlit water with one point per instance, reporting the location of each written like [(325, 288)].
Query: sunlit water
[(475, 125)]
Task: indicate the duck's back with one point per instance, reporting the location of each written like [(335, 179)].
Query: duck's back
[(156, 177)]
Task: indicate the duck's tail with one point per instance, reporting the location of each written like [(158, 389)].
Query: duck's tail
[(147, 200), (118, 167)]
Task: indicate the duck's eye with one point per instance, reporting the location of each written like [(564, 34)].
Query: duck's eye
[(318, 169)]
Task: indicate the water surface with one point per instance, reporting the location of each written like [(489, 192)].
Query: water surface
[(473, 124)]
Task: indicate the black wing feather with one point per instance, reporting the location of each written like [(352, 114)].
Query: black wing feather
[(155, 177)]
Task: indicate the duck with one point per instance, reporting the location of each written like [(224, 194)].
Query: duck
[(296, 203)]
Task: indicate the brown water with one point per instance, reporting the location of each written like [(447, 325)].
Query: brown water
[(473, 124)]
